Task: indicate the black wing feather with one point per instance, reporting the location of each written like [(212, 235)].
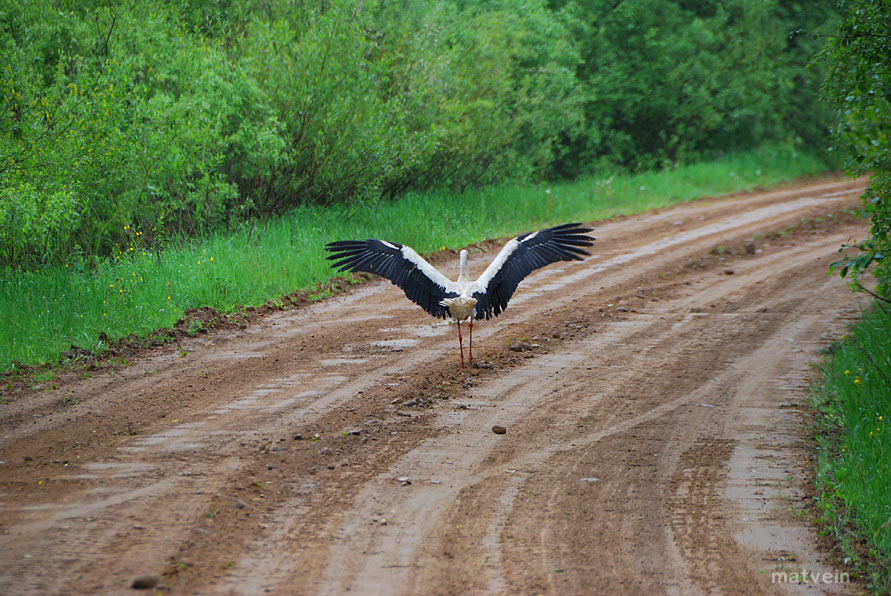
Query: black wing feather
[(560, 243), (387, 260)]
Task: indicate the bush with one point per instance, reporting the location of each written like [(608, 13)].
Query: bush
[(144, 122), (859, 87), (668, 81), (132, 134)]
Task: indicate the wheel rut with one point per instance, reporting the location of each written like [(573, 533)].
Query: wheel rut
[(649, 448)]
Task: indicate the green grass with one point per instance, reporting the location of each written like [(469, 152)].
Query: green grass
[(853, 467), (46, 311)]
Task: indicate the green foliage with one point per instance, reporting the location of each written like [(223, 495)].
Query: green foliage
[(123, 121), (126, 125), (854, 445), (667, 80), (854, 467), (46, 311), (341, 134), (859, 87), (499, 92)]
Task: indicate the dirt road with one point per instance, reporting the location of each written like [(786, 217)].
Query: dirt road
[(651, 397)]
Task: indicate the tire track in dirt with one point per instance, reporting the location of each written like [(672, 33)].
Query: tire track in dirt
[(436, 456), (162, 497), (699, 472)]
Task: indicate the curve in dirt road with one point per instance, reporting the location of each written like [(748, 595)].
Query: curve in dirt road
[(650, 399)]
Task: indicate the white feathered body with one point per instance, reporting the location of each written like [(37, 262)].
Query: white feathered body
[(463, 306)]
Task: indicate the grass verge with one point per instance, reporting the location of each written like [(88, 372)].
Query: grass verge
[(853, 465), (45, 312)]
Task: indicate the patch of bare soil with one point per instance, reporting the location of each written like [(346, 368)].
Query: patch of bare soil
[(649, 397)]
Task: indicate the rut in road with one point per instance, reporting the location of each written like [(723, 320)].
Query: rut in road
[(650, 432)]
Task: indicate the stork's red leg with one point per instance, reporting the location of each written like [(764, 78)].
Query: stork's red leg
[(470, 358), (460, 343)]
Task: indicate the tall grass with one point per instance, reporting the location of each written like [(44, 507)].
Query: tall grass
[(46, 311), (854, 446)]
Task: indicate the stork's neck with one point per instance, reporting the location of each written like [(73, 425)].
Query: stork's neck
[(464, 272)]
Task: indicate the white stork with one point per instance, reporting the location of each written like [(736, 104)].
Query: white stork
[(464, 298)]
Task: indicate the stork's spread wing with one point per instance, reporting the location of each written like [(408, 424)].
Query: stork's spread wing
[(523, 255), (420, 281)]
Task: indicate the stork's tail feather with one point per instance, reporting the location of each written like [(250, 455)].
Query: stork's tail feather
[(461, 307)]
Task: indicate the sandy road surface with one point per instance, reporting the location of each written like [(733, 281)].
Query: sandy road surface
[(652, 444)]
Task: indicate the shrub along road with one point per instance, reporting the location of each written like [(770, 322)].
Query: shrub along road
[(651, 399)]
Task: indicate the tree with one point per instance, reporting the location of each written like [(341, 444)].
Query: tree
[(858, 86), (674, 80)]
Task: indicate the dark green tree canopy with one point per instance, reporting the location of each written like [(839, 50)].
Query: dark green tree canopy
[(142, 121)]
